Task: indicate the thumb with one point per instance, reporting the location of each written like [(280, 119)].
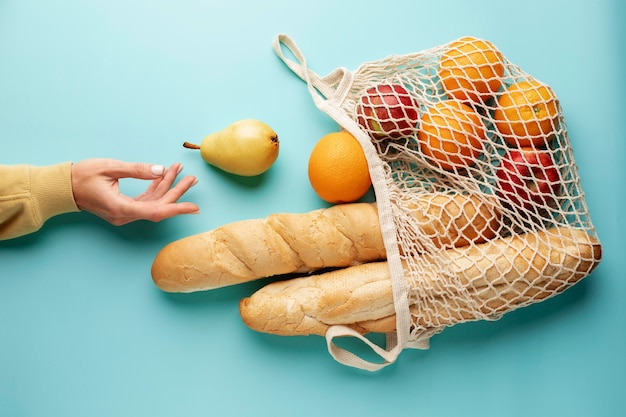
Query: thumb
[(137, 170)]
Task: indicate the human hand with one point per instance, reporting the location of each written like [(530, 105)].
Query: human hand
[(95, 183)]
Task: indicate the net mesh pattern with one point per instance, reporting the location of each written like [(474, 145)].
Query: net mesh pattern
[(472, 165), (461, 120)]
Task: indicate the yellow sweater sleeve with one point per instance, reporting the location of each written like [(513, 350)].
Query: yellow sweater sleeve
[(30, 195)]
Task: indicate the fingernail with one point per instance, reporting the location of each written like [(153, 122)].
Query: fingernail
[(195, 181), (180, 169), (157, 170)]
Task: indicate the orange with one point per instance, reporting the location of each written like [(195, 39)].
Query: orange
[(451, 135), (338, 170), (471, 69), (526, 114)]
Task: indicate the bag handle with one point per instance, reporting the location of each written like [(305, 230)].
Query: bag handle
[(341, 355), (321, 88)]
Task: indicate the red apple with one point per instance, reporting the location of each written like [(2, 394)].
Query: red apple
[(528, 179), (388, 110)]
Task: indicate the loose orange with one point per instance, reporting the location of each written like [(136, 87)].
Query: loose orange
[(526, 114), (451, 135), (471, 69), (338, 169)]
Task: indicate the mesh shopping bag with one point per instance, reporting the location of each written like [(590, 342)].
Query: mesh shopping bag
[(459, 120)]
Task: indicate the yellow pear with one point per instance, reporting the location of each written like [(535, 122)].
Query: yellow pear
[(247, 147)]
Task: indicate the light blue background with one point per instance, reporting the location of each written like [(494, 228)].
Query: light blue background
[(84, 331)]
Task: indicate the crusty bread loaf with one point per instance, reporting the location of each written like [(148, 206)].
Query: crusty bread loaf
[(490, 278), (339, 236)]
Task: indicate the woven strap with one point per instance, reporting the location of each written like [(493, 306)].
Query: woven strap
[(328, 94)]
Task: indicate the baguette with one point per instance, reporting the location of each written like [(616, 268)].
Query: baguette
[(486, 280), (339, 236)]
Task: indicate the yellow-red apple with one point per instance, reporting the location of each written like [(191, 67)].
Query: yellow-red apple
[(528, 179), (388, 111)]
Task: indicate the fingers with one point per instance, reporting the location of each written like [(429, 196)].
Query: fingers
[(152, 211), (160, 185), (174, 193), (166, 211), (161, 188), (158, 202)]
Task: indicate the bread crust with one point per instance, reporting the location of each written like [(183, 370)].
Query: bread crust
[(338, 236), (490, 279), (335, 237)]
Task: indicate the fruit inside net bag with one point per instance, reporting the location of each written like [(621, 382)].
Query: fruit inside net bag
[(460, 119)]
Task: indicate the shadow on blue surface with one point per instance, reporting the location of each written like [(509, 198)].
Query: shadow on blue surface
[(473, 336), (521, 321), (139, 231)]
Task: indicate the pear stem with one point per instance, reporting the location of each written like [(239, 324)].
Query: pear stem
[(190, 145)]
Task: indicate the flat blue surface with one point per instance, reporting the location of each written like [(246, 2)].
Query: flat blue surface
[(84, 331)]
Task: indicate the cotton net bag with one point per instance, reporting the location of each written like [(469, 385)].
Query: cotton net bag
[(459, 119)]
